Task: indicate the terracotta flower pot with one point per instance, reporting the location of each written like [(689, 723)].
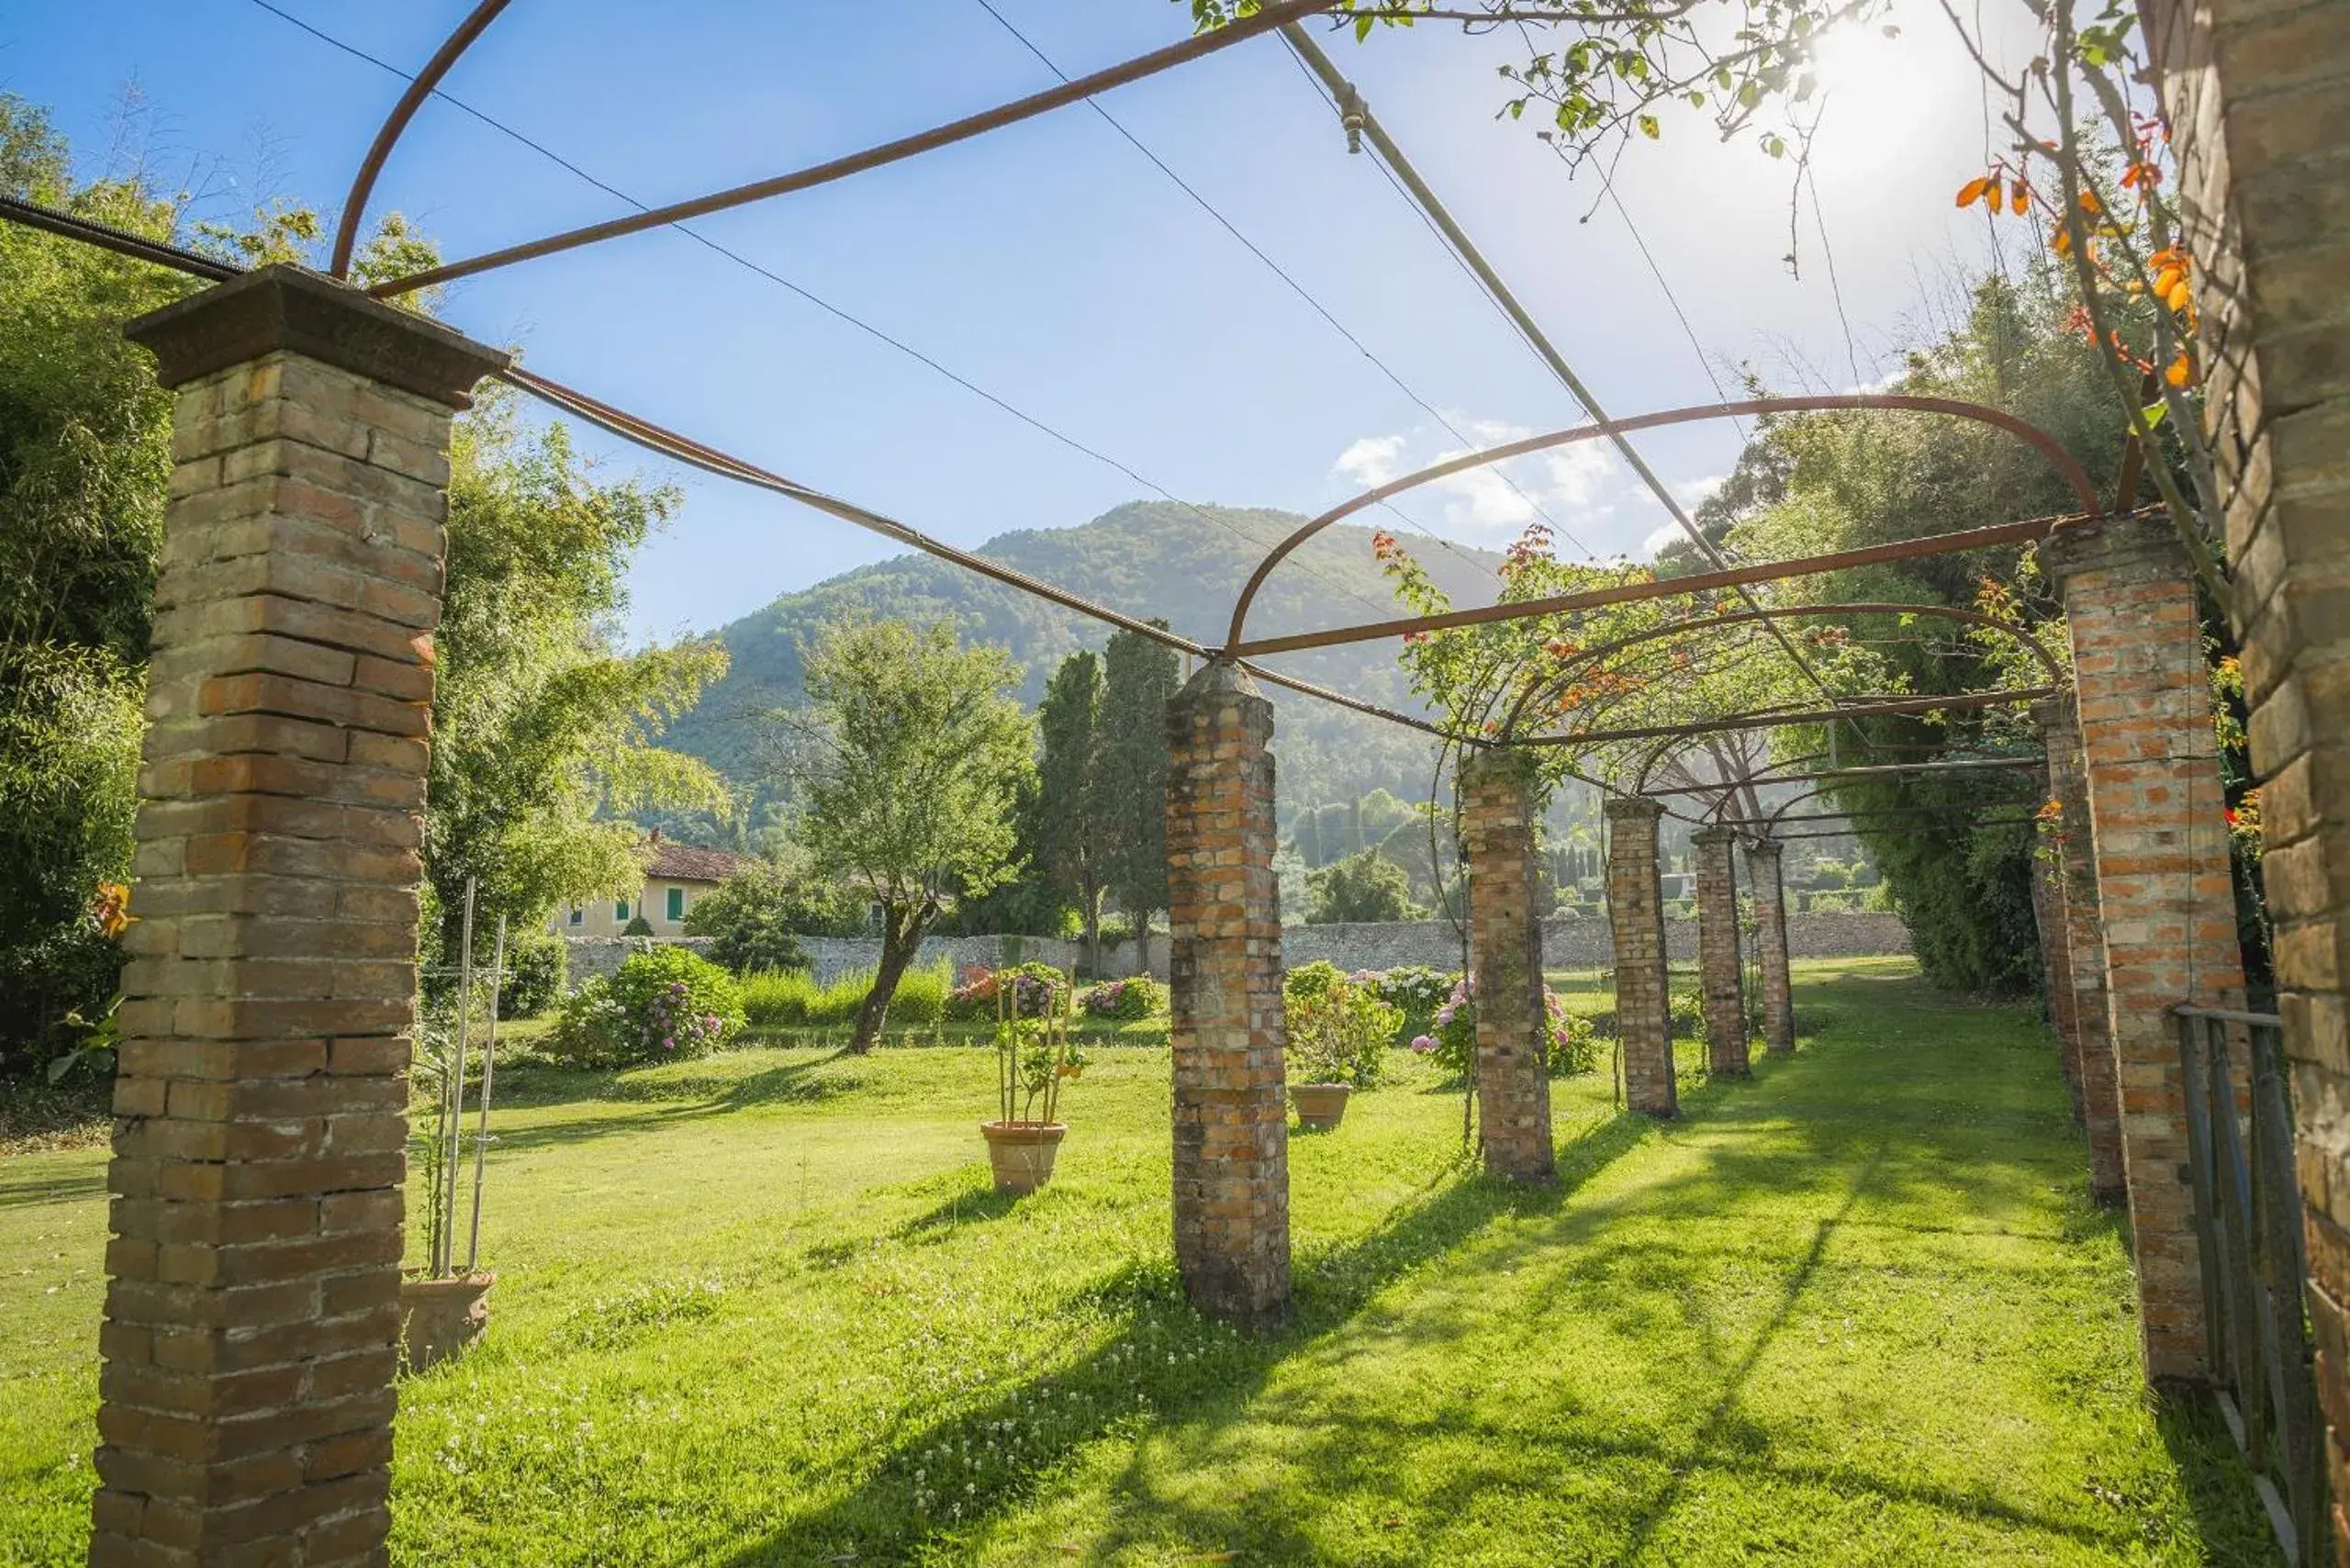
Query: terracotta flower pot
[(1021, 1152), (1320, 1106), (439, 1319)]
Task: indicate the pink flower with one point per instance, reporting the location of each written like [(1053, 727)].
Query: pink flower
[(668, 1043), (1423, 1044)]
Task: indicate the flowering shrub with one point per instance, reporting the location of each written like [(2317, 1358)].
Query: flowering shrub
[(1414, 990), (660, 1004), (1038, 987), (1338, 1028), (1451, 1040), (1136, 997)]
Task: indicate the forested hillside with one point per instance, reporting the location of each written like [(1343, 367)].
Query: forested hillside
[(1145, 558)]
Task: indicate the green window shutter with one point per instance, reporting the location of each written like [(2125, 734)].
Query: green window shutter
[(619, 910), (677, 904)]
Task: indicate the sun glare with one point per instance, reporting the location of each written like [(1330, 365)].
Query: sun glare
[(1877, 96)]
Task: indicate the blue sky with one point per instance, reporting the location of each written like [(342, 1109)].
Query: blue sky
[(1051, 264)]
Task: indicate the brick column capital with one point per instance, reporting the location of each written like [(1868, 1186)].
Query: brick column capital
[(1708, 837), (1632, 808), (1763, 849), (2058, 718), (2141, 541), (282, 307)]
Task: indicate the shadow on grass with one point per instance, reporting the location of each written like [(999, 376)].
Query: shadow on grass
[(1163, 1363), (2211, 1469), (679, 1101), (64, 1188)]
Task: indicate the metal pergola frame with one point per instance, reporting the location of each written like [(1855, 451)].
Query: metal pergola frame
[(1238, 647)]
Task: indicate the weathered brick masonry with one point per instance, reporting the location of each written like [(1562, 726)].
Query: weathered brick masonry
[(2056, 958), (2164, 888), (2085, 949), (1635, 911), (2258, 95), (1506, 944), (1721, 986), (260, 1113), (1225, 982), (1771, 945)]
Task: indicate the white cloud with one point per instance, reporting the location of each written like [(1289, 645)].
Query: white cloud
[(1566, 483), (1371, 462), (1695, 493), (1660, 539)]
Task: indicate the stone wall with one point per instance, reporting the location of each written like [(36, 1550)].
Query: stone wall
[(1573, 943), (833, 956), (1568, 943)]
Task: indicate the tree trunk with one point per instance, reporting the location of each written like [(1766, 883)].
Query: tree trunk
[(1142, 942), (1089, 898), (901, 933)]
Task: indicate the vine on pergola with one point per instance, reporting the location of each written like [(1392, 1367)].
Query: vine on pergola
[(2087, 161)]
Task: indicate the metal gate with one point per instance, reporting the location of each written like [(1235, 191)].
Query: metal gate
[(2248, 1221)]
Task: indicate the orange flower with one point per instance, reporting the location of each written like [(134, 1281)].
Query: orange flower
[(111, 909)]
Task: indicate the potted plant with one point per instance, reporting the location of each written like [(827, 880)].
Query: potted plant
[(1035, 1054), (444, 1305), (1337, 1031)]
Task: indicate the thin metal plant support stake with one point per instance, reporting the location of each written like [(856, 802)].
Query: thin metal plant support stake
[(454, 1096), (489, 1069)]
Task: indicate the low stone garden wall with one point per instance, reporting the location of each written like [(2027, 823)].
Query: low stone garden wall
[(1567, 944), (1575, 944)]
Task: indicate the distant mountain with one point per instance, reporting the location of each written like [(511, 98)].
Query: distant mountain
[(1149, 558)]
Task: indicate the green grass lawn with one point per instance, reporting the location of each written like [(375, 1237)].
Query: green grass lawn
[(764, 1308)]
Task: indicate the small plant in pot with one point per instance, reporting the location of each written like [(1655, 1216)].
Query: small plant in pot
[(444, 1305), (1337, 1031), (1035, 1054)]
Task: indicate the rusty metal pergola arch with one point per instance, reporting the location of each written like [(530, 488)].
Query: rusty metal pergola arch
[(1236, 648), (1594, 658), (2068, 465)]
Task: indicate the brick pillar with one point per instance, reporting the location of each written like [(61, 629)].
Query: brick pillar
[(2056, 960), (245, 1399), (2257, 92), (1770, 945), (2164, 888), (1636, 916), (1506, 940), (1720, 985), (1224, 973), (2084, 947)]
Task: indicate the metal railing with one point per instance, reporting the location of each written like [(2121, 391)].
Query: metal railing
[(2248, 1223)]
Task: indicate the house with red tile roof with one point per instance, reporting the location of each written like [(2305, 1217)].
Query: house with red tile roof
[(676, 877)]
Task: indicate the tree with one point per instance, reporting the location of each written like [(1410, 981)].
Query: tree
[(1365, 887), (544, 731), (1073, 835), (753, 917), (1963, 890), (1139, 678), (918, 751), (84, 452)]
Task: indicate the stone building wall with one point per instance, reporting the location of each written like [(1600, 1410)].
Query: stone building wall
[(1569, 943)]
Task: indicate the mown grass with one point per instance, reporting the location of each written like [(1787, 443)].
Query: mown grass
[(764, 1308)]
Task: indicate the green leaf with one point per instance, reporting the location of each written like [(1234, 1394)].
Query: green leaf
[(2155, 413), (1649, 128)]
